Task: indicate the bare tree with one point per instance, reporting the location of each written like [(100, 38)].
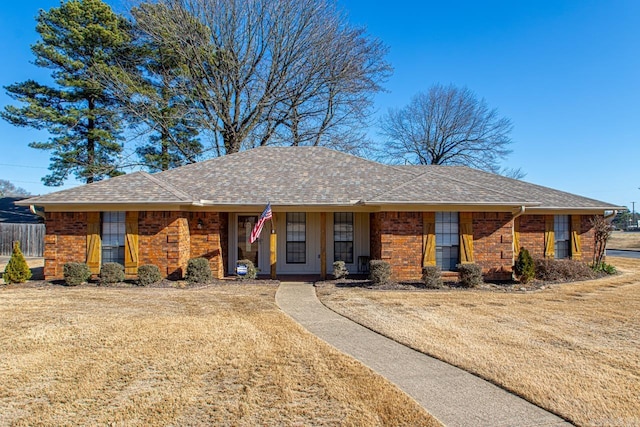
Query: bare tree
[(601, 232), (448, 126), (260, 72), (8, 189)]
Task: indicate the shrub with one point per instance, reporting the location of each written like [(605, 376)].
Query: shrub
[(111, 272), (603, 267), (524, 267), (340, 270), (562, 270), (432, 277), (252, 271), (148, 274), (379, 271), (470, 275), (17, 270), (76, 273), (198, 270)]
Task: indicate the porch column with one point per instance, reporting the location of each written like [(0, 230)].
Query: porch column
[(323, 245), (273, 251)]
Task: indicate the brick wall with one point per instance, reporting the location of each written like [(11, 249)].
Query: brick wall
[(532, 234), (587, 236), (65, 241), (493, 244), (164, 242), (396, 237), (399, 237), (206, 240)]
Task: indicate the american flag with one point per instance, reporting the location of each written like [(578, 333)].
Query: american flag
[(257, 229)]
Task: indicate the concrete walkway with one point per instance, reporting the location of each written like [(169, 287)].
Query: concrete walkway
[(453, 396)]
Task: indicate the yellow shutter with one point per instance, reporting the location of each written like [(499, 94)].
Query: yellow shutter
[(94, 242), (428, 239), (576, 247), (131, 243), (516, 236), (549, 237), (466, 237)]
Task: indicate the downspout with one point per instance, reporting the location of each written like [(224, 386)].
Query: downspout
[(610, 217), (513, 233), (34, 211)]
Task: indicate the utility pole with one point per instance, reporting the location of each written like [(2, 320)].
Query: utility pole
[(634, 223)]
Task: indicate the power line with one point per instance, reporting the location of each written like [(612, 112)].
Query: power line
[(23, 166)]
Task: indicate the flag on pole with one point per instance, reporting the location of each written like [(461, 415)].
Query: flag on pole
[(257, 229)]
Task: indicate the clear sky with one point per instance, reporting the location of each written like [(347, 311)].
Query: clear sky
[(566, 72)]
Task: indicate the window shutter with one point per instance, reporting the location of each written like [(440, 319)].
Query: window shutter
[(466, 237), (131, 243), (428, 239), (516, 237), (549, 237), (576, 247), (94, 242)]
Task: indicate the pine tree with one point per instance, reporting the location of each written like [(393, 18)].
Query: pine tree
[(17, 269), (76, 40), (146, 92), (524, 266)]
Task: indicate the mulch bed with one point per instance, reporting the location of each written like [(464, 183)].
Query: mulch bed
[(509, 286), (165, 283)]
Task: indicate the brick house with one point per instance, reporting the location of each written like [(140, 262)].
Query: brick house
[(327, 206)]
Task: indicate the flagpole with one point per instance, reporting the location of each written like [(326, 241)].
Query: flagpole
[(273, 245)]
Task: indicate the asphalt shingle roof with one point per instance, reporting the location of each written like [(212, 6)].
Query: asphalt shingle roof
[(315, 176)]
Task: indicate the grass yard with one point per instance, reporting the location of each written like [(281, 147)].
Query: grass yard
[(624, 240), (573, 349), (219, 355)]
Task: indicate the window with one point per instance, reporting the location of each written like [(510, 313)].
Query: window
[(113, 234), (447, 240), (343, 237), (296, 238), (561, 235)]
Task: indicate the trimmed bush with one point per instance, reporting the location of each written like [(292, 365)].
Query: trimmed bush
[(252, 271), (198, 271), (432, 277), (470, 275), (524, 268), (111, 272), (17, 270), (76, 273), (148, 274), (562, 270), (340, 270), (379, 271)]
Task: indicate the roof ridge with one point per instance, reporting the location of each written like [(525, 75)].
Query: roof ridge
[(170, 188), (446, 177)]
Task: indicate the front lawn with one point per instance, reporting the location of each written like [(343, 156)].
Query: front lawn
[(216, 355), (573, 349)]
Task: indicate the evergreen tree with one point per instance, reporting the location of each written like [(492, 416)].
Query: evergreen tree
[(524, 266), (146, 91), (77, 39), (17, 269)]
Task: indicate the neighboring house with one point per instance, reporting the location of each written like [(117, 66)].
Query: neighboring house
[(327, 206), (18, 223)]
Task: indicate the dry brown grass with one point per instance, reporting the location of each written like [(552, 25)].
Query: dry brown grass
[(221, 355), (624, 240), (573, 349)]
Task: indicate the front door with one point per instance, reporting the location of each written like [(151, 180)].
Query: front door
[(247, 250)]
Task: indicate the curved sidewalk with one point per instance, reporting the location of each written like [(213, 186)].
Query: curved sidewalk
[(453, 396)]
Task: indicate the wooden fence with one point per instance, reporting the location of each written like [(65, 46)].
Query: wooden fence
[(30, 236)]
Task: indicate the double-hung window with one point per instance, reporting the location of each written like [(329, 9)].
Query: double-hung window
[(343, 237), (447, 240), (113, 235), (296, 238), (561, 232)]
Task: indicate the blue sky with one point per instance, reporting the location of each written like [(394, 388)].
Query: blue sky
[(567, 73)]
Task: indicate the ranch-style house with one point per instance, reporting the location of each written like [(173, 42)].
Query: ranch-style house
[(327, 206)]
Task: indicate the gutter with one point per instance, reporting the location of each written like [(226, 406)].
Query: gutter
[(520, 212)]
